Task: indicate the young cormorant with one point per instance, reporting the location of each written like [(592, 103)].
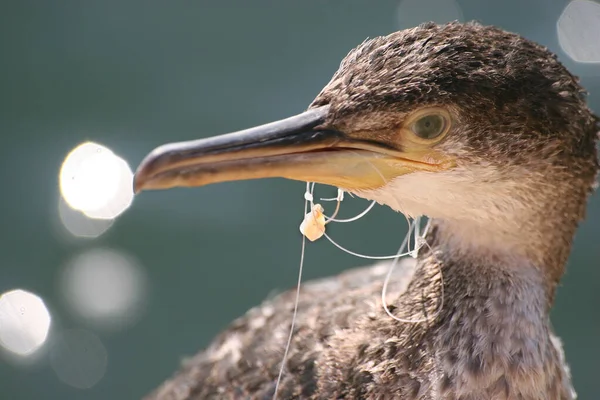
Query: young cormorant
[(481, 130)]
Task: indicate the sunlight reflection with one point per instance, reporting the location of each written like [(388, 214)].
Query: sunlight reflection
[(105, 287), (79, 358), (96, 182), (80, 225), (414, 12), (24, 322), (579, 31)]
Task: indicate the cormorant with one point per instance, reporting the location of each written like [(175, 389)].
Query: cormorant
[(481, 130)]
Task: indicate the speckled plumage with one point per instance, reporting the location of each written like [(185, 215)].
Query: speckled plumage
[(503, 222)]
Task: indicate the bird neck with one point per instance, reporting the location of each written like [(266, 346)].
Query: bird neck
[(453, 271), (488, 321), (534, 243), (520, 218)]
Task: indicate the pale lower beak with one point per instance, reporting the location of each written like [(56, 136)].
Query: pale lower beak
[(294, 148)]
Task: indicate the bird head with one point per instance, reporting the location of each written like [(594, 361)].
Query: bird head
[(461, 122)]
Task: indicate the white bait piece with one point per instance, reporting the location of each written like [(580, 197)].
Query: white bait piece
[(313, 226)]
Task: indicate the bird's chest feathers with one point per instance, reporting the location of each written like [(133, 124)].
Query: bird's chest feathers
[(490, 340), (494, 340)]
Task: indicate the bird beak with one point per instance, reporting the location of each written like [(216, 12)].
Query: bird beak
[(295, 148)]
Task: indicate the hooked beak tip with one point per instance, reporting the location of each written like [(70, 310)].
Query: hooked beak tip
[(140, 178), (137, 186)]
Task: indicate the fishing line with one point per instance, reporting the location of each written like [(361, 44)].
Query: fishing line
[(295, 312), (419, 242), (339, 198), (309, 197)]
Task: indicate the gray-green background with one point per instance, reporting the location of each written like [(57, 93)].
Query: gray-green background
[(133, 75)]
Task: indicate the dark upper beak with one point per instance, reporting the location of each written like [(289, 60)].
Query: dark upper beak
[(297, 148)]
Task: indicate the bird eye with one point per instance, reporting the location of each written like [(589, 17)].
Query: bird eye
[(429, 126)]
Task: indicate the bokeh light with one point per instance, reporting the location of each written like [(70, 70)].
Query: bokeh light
[(96, 182), (414, 12), (80, 225), (24, 322), (579, 31), (105, 287), (79, 358)]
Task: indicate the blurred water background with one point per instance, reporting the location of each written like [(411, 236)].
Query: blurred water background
[(104, 295)]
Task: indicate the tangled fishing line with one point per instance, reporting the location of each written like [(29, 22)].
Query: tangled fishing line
[(313, 227)]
